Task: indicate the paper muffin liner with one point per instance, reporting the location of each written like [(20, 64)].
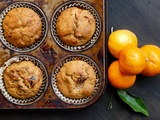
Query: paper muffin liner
[(42, 89), (42, 16), (79, 4), (57, 69)]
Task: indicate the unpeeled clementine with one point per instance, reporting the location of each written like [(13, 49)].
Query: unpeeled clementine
[(132, 60), (152, 53), (118, 79), (120, 39)]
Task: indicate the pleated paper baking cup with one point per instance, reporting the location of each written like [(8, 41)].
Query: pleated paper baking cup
[(81, 100), (82, 5), (44, 30), (42, 89)]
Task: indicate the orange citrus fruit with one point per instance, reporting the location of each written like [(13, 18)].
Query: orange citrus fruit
[(119, 39), (152, 53), (132, 60), (117, 78)]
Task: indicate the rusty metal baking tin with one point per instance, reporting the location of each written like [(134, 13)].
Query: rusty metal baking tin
[(97, 53)]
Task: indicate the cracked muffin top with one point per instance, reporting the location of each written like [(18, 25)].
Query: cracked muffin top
[(23, 79), (75, 26), (76, 79), (22, 27)]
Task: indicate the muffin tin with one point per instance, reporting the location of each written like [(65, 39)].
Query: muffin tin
[(50, 53)]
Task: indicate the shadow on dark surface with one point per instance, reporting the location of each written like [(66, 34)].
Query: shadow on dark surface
[(87, 113)]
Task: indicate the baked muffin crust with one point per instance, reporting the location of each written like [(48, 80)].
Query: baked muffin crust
[(75, 26), (4, 53), (76, 79), (23, 79), (22, 27)]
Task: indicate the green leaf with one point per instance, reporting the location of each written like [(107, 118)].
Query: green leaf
[(110, 102), (134, 102)]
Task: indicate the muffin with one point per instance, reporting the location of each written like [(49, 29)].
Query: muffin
[(75, 26), (23, 79), (4, 53), (22, 27), (76, 79)]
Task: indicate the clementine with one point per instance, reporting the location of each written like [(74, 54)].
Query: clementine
[(132, 60), (152, 53), (117, 78), (119, 39)]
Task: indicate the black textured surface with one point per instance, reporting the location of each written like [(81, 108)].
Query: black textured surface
[(143, 18)]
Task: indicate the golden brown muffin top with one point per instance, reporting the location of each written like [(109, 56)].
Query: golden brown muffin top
[(23, 79), (75, 26), (76, 79), (22, 27)]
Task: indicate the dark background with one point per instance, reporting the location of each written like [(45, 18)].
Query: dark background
[(143, 18)]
